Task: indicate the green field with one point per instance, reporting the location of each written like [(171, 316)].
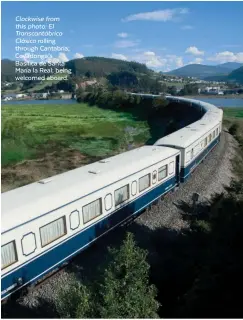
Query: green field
[(29, 131), (233, 112)]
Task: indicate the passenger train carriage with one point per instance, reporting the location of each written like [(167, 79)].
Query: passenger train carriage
[(46, 223)]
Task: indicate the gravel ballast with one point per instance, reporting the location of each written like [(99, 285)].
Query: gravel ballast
[(211, 176)]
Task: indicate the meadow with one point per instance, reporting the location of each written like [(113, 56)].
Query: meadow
[(28, 131)]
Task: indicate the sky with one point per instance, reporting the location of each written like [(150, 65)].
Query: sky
[(163, 35)]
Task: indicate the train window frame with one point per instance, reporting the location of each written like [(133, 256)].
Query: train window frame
[(134, 182), (141, 190), (188, 156), (65, 231), (173, 168), (123, 200), (101, 210), (15, 253), (154, 177), (162, 169), (70, 217), (109, 194), (22, 244)]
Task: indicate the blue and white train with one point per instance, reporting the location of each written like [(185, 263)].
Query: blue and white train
[(46, 223)]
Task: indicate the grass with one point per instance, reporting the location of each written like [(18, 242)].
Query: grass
[(233, 112), (28, 131)]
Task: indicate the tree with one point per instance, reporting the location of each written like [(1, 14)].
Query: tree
[(125, 291), (74, 300)]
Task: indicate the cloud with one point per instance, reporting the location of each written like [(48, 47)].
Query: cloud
[(61, 58), (173, 59), (159, 15), (227, 56), (78, 56), (118, 56), (187, 27), (196, 61), (150, 59), (126, 43), (122, 35), (195, 51)]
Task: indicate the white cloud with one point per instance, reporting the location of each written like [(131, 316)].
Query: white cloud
[(150, 59), (196, 61), (61, 58), (195, 51), (227, 56), (118, 56), (187, 27), (174, 60), (122, 35), (126, 43), (158, 15), (78, 56)]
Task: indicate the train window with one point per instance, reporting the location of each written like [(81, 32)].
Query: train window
[(188, 156), (8, 254), (205, 142), (92, 210), (121, 195), (154, 177), (53, 231), (171, 167), (163, 172), (144, 182), (28, 243), (210, 137), (134, 188), (108, 202), (192, 153), (217, 131), (74, 219), (213, 134)]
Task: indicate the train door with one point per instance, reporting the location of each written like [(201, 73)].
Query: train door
[(177, 169)]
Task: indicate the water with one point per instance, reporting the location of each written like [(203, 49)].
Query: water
[(224, 102), (219, 102), (61, 101)]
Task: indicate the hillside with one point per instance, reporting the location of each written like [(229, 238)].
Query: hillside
[(231, 65), (90, 67), (200, 71), (236, 75), (7, 70), (100, 67)]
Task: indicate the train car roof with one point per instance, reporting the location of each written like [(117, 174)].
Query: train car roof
[(186, 136), (31, 201)]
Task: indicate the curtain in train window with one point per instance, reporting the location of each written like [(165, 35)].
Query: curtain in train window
[(52, 231), (162, 172), (121, 195), (171, 167), (144, 182), (8, 254), (205, 142), (92, 210)]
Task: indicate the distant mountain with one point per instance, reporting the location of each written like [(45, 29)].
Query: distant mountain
[(200, 71), (236, 75), (231, 65)]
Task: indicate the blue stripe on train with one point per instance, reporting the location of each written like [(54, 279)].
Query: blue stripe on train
[(186, 171), (46, 262)]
